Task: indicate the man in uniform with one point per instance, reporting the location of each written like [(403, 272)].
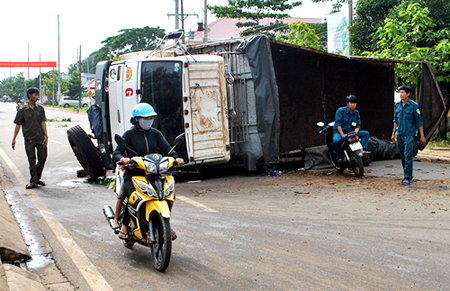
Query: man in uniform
[(347, 120), (31, 118), (407, 120)]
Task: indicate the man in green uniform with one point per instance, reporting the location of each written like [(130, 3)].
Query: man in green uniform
[(31, 118), (407, 120)]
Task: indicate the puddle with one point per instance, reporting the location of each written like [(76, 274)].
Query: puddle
[(39, 257), (72, 183)]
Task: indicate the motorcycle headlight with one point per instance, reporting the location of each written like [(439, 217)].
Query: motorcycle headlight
[(163, 166), (169, 191), (151, 167), (146, 189)]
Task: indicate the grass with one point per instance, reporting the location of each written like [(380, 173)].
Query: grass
[(439, 143), (62, 120), (74, 109)]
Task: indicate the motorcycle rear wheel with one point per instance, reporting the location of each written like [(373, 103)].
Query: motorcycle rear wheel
[(357, 165), (162, 248)]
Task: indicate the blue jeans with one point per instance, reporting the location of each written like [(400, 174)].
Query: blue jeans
[(337, 141), (405, 145)]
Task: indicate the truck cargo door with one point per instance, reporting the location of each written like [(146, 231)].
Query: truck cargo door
[(208, 105)]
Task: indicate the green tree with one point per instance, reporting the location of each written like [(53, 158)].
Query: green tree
[(302, 34), (336, 6), (369, 16), (410, 34), (254, 11), (13, 87), (74, 87), (50, 80), (128, 40)]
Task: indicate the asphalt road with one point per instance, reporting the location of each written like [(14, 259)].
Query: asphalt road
[(299, 231)]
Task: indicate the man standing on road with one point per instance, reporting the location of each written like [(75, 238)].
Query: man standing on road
[(31, 118), (407, 120)]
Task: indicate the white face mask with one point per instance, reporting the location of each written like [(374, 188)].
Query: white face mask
[(145, 124)]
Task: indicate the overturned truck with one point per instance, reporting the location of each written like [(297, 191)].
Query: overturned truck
[(251, 103)]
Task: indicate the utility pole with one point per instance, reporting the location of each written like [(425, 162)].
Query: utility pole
[(58, 95), (350, 20), (79, 70), (40, 80), (177, 16), (182, 18), (28, 61), (205, 25)]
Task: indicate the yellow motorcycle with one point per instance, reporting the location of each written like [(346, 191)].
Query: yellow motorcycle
[(149, 206)]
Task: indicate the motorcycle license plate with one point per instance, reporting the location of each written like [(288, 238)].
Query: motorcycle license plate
[(355, 146)]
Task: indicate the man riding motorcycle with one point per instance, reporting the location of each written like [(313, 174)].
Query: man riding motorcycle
[(348, 120), (144, 140)]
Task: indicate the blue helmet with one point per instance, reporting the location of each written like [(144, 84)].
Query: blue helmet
[(143, 110)]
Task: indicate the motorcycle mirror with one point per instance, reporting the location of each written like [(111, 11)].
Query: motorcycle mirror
[(320, 123), (121, 142), (178, 140)]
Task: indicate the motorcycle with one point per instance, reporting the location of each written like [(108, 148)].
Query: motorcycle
[(18, 106), (351, 148), (149, 206)]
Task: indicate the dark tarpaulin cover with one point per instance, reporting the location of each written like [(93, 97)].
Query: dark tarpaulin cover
[(258, 51), (431, 102)]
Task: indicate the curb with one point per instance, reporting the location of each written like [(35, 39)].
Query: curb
[(13, 249)]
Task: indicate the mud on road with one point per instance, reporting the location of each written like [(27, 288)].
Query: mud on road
[(317, 230)]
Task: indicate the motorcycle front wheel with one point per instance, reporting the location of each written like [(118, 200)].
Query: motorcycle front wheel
[(162, 247), (332, 158), (357, 165)]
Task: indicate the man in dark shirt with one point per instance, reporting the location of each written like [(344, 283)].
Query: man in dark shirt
[(31, 118)]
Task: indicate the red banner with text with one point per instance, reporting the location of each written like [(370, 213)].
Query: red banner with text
[(28, 64)]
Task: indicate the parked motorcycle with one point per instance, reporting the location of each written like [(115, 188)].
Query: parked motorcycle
[(149, 206), (18, 106), (352, 155)]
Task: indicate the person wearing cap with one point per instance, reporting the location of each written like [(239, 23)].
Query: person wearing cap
[(144, 140), (407, 120), (347, 120), (31, 118)]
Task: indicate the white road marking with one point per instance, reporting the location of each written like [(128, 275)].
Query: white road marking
[(90, 273), (54, 141), (195, 203)]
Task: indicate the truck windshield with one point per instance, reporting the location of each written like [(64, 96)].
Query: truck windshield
[(161, 88)]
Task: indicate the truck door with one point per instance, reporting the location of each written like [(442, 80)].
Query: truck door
[(208, 110), (116, 98)]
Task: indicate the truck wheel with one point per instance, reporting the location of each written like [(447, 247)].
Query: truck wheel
[(85, 151)]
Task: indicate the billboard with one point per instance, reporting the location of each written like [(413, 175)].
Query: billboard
[(337, 26)]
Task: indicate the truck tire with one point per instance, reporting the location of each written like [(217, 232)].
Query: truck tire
[(85, 151)]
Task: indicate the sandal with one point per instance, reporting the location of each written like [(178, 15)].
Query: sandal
[(406, 182), (115, 226), (42, 183), (31, 186), (123, 233), (174, 235)]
